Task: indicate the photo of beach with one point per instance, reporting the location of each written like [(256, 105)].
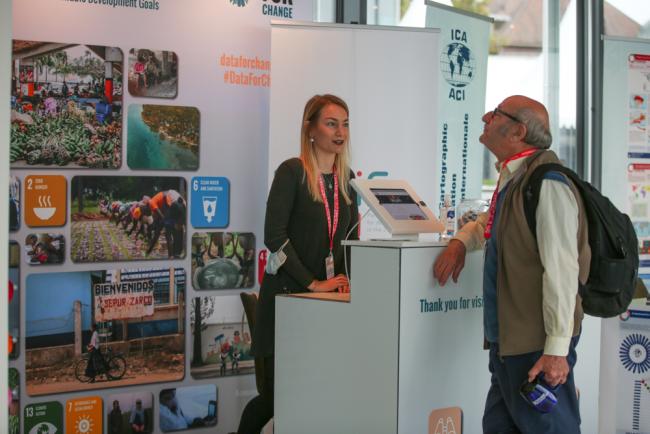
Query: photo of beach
[(163, 137)]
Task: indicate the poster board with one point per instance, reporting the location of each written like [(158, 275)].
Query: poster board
[(149, 67), (625, 350)]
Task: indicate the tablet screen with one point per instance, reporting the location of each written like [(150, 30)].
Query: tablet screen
[(399, 204)]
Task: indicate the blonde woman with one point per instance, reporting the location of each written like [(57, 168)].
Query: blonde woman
[(312, 205)]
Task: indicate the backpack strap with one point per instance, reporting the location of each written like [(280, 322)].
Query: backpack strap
[(534, 186), (594, 204)]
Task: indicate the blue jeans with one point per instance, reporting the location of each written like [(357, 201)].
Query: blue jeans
[(507, 412)]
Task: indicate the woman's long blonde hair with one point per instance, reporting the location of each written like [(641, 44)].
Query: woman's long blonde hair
[(311, 114)]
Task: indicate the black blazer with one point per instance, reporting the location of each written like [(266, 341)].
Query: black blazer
[(291, 213)]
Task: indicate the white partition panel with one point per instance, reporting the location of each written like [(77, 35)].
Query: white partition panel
[(221, 71), (389, 78)]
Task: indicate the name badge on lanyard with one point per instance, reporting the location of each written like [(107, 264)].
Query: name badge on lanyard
[(329, 265), (331, 225)]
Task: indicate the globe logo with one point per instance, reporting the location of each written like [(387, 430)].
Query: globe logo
[(239, 3), (457, 64)]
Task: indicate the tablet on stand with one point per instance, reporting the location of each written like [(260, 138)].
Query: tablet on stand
[(398, 207)]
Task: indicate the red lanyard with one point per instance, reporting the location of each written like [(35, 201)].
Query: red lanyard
[(493, 203), (330, 230)]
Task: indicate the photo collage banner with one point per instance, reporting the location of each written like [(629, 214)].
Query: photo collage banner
[(138, 138), (633, 370), (625, 353)]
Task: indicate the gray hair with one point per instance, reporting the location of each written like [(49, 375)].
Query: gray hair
[(537, 134)]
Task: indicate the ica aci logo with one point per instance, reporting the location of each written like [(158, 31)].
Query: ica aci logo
[(239, 3), (210, 202), (457, 64)]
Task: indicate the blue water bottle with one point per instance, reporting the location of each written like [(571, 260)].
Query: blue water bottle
[(539, 394)]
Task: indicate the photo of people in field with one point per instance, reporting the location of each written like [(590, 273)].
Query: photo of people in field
[(223, 260), (103, 329), (153, 73), (128, 218), (66, 105)]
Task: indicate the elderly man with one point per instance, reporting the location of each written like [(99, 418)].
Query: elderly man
[(532, 313)]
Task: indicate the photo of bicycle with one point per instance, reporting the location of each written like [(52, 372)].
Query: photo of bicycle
[(102, 329)]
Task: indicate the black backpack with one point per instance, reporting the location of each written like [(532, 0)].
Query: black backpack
[(614, 246)]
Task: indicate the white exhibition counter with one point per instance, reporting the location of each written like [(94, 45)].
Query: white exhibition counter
[(388, 357)]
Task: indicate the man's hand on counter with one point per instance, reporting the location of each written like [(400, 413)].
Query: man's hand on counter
[(450, 262)]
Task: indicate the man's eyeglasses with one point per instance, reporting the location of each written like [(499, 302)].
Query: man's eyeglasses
[(506, 114)]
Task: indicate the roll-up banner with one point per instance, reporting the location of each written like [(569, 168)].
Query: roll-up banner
[(464, 39), (462, 71), (625, 351), (138, 144)]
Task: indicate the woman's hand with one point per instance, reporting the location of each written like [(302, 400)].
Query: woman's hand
[(346, 287), (338, 283)]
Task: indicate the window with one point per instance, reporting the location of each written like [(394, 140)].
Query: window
[(532, 46), (325, 11), (627, 18)]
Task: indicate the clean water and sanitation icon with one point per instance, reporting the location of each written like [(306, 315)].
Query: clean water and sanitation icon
[(209, 208), (210, 202)]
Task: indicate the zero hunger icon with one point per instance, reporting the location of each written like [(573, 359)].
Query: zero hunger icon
[(45, 200)]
